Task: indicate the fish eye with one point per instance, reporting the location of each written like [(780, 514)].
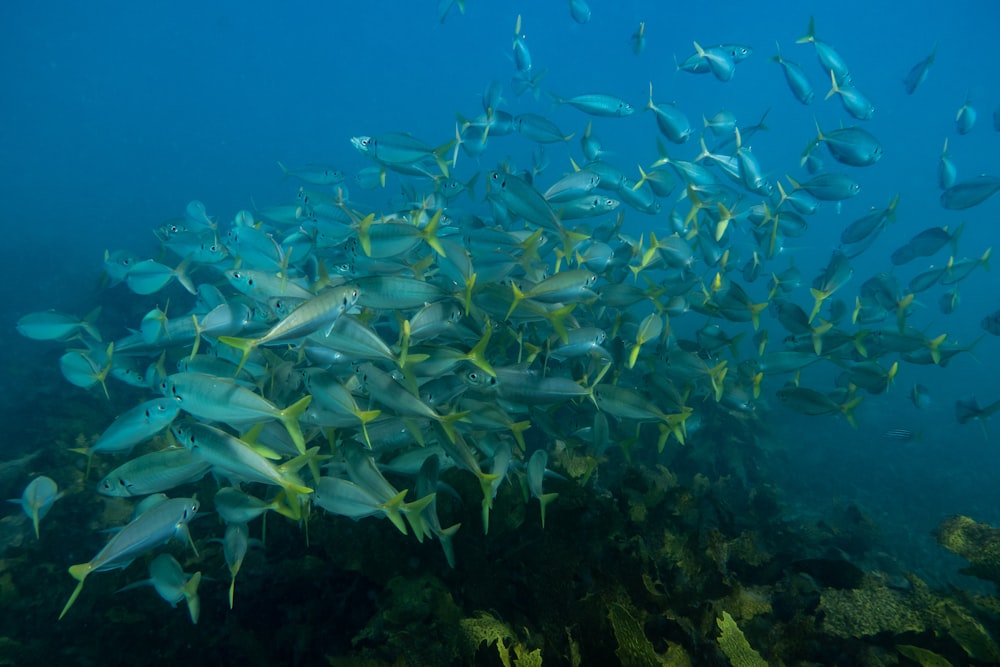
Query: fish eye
[(236, 275)]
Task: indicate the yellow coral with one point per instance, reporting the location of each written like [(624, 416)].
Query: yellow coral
[(735, 645)]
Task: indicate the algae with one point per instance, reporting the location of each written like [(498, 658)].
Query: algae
[(734, 644)]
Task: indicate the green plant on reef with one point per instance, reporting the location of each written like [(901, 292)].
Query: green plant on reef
[(486, 629), (735, 645), (978, 543), (634, 649), (874, 608), (922, 656)]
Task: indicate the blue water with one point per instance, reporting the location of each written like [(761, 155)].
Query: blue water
[(114, 116)]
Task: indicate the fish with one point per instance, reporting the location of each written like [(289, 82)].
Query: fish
[(723, 122), (829, 187), (234, 458), (539, 129), (852, 146), (155, 472), (319, 312), (969, 409), (918, 73), (579, 10), (852, 99), (828, 56), (224, 400), (673, 124), (598, 104), (899, 435), (315, 174), (947, 172), (535, 471), (151, 529), (814, 403), (172, 584), (133, 427), (796, 78), (37, 499), (235, 545), (991, 323), (638, 39), (965, 119), (920, 396), (53, 325), (973, 192)]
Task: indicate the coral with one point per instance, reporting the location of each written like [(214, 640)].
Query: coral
[(735, 645), (978, 543)]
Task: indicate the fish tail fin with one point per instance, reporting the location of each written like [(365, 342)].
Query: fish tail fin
[(103, 375), (391, 509), (470, 282), (847, 409), (429, 233), (88, 324), (78, 572), (820, 296), (364, 234), (441, 152), (557, 320), (310, 458), (543, 502), (486, 485), (755, 310), (244, 345), (190, 591), (413, 511), (290, 418), (366, 416), (649, 105), (444, 537), (834, 88), (716, 376), (516, 301), (984, 261), (935, 345), (810, 35), (477, 355), (458, 144), (956, 235), (284, 169), (470, 186), (180, 273), (517, 429)]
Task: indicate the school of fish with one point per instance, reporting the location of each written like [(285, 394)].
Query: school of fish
[(321, 357)]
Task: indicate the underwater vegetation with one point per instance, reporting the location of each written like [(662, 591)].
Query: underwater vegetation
[(690, 561)]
